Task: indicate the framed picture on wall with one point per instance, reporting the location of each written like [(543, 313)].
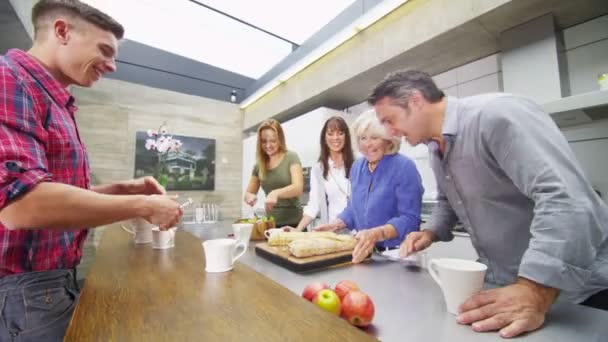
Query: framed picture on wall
[(192, 167)]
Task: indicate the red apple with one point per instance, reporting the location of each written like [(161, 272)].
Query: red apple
[(328, 300), (358, 308), (344, 287), (310, 291)]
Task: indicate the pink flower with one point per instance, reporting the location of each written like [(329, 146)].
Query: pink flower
[(163, 130), (150, 144), (163, 146), (175, 145), (152, 133)]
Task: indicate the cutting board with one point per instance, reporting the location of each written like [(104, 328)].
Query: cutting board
[(280, 255)]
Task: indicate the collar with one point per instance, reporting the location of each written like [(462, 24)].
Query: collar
[(450, 119), (56, 90)]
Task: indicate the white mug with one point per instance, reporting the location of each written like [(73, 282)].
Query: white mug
[(272, 231), (219, 254), (242, 232), (163, 239), (141, 230), (458, 279)]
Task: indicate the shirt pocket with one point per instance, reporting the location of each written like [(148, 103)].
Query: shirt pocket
[(66, 156), (46, 302)]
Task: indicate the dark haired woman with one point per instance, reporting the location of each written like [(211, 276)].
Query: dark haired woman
[(329, 183)]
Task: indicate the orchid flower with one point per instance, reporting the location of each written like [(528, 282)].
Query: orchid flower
[(150, 144)]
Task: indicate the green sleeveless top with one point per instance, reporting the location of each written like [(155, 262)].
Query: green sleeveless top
[(287, 211)]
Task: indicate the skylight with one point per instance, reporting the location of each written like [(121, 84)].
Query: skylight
[(187, 29)]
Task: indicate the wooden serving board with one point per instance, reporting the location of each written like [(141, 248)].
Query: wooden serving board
[(280, 255)]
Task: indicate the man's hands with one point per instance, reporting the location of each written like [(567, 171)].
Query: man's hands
[(513, 309), (145, 186), (163, 211), (416, 242)]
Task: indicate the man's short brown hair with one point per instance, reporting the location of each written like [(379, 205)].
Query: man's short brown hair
[(44, 9)]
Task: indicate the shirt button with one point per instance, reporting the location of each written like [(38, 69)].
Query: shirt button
[(459, 202), (447, 177)]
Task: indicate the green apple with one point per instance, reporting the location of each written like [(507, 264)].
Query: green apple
[(329, 301)]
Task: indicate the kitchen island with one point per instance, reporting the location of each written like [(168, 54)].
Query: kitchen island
[(135, 293)]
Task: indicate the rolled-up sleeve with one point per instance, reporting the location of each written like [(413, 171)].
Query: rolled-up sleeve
[(408, 191), (443, 218), (23, 162), (347, 217), (566, 231)]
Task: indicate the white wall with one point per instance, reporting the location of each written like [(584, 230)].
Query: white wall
[(590, 145), (587, 56)]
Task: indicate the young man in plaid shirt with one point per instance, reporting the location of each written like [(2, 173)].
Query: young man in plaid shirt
[(46, 201)]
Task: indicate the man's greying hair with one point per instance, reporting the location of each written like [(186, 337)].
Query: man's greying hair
[(399, 86), (46, 10)]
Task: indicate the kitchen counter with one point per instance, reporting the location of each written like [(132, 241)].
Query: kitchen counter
[(409, 304), (137, 293)]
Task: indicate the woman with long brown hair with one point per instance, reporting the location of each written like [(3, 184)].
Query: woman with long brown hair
[(329, 183), (279, 173)]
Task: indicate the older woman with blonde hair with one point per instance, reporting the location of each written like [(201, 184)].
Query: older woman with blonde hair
[(386, 191)]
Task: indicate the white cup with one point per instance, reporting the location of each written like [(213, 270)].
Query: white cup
[(242, 232), (140, 229), (458, 279), (219, 254), (163, 239), (272, 231)]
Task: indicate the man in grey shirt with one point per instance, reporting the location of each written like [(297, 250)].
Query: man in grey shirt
[(505, 170)]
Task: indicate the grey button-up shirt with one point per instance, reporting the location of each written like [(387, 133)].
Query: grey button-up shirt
[(510, 177)]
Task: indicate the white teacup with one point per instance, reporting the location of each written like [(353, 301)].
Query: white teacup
[(163, 239), (219, 254), (242, 232), (458, 279), (141, 230), (272, 231)]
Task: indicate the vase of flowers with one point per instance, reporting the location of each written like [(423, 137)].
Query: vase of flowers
[(160, 142)]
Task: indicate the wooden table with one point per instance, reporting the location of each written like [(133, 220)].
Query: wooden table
[(136, 293)]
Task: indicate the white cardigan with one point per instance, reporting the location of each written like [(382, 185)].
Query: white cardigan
[(335, 189)]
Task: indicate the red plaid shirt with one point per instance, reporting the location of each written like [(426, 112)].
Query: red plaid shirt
[(39, 142)]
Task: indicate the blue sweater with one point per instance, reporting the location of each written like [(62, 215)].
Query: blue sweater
[(392, 194)]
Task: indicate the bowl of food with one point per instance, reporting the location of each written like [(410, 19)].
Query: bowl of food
[(260, 225)]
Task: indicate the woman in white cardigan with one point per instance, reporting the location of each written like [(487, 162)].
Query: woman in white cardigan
[(329, 183)]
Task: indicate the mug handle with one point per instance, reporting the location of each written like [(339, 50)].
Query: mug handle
[(240, 244), (132, 232), (267, 233), (433, 272)]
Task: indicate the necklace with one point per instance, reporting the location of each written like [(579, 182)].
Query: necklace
[(372, 166)]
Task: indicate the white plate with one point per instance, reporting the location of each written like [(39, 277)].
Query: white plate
[(415, 259)]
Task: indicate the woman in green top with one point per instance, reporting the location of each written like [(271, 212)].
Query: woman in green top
[(279, 172)]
